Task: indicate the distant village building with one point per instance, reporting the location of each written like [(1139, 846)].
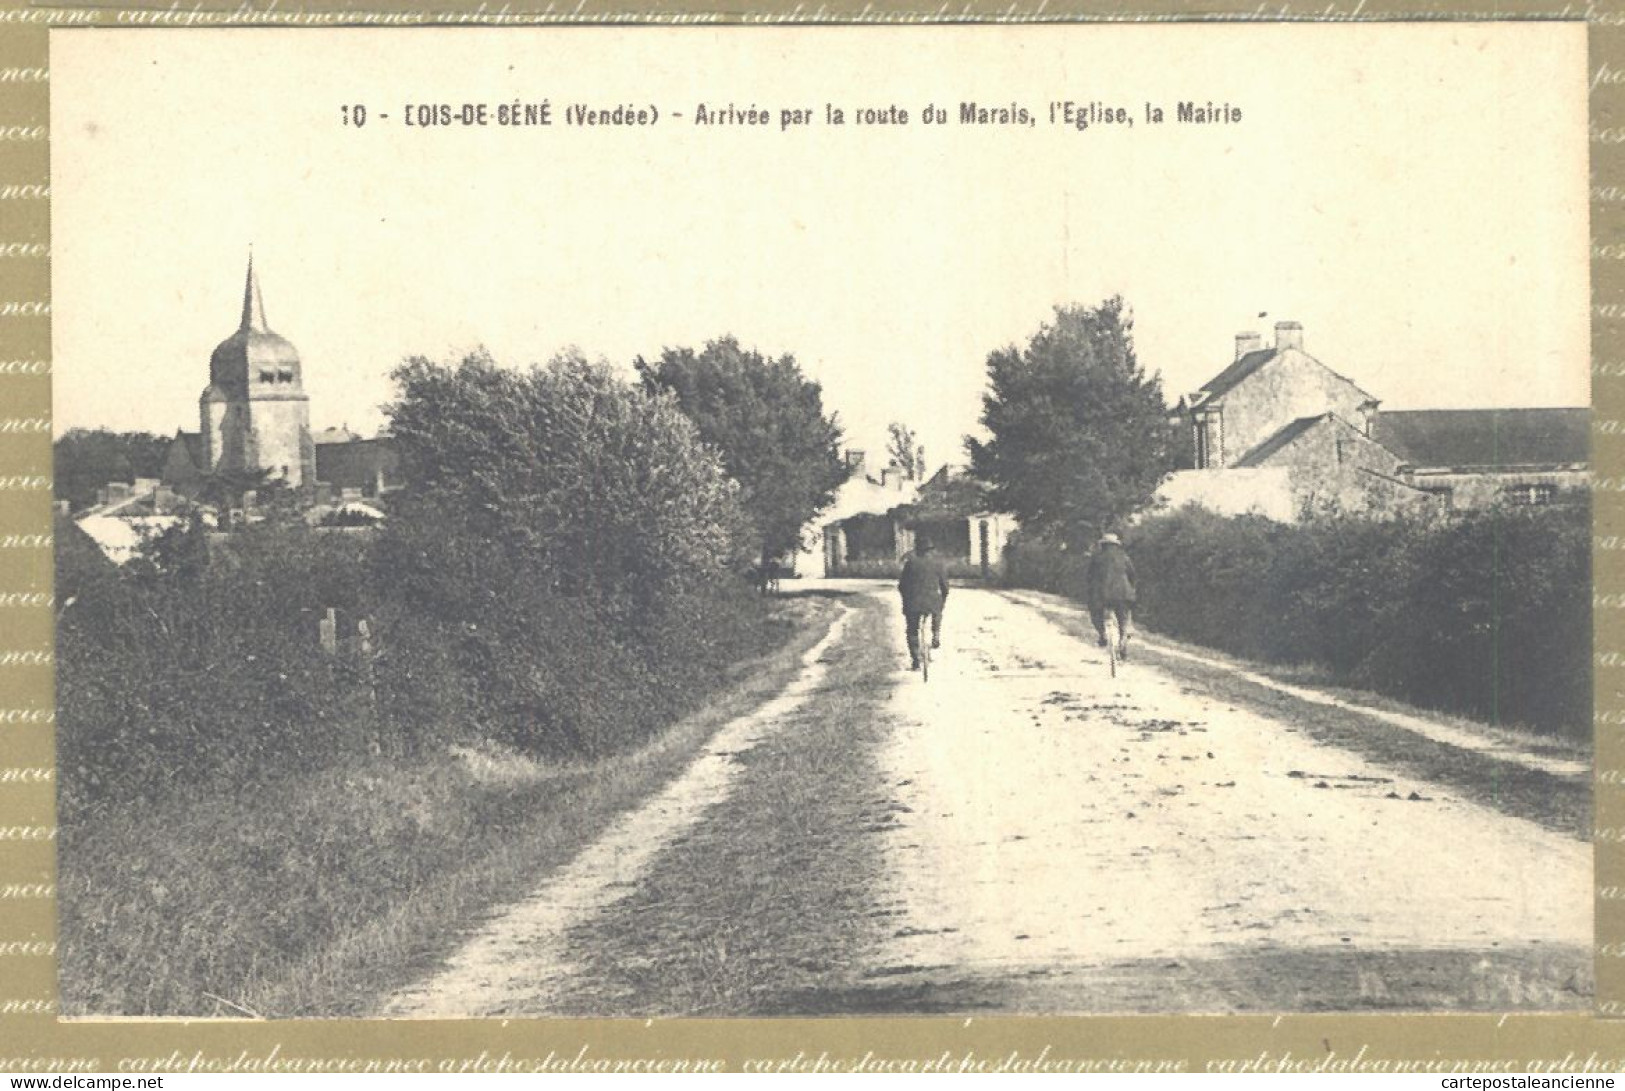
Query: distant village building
[(1479, 457), (129, 515), (879, 520), (1279, 433), (864, 492), (352, 467), (254, 417)]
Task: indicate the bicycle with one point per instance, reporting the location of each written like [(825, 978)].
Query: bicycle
[(1113, 641), (922, 639)]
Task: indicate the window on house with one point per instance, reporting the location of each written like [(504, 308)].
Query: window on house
[(1531, 495), (1341, 447), (284, 375), (267, 375), (1210, 441)]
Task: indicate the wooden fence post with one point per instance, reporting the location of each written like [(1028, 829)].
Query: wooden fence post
[(375, 727)]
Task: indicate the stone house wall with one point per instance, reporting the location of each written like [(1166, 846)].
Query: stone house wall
[(1291, 386)]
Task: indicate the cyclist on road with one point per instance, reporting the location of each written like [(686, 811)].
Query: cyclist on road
[(924, 587), (1111, 587)]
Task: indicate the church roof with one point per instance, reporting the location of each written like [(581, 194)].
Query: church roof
[(1486, 437), (192, 444), (238, 361)]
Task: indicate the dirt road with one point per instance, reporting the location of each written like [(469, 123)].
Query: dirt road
[(1025, 833)]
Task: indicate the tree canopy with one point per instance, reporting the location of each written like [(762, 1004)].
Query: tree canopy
[(904, 449), (1079, 432), (767, 421), (86, 459), (595, 484)]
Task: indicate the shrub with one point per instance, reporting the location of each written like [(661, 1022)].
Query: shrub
[(590, 485), (1043, 565), (168, 678), (1486, 614), (560, 582)]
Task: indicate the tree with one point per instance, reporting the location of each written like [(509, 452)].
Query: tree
[(905, 450), (1079, 433), (179, 552), (586, 482), (86, 459), (767, 420)]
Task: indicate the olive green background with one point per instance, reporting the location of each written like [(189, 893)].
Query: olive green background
[(31, 1035)]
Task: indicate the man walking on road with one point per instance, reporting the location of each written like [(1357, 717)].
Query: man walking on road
[(1111, 587), (924, 587)]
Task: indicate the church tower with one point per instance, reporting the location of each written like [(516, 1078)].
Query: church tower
[(255, 412)]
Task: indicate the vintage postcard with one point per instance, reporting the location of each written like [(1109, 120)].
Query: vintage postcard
[(822, 521)]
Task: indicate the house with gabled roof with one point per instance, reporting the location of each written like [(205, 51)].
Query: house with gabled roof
[(949, 508), (1265, 391), (1279, 433), (1479, 457)]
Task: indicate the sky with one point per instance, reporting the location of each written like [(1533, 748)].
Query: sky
[(1414, 194)]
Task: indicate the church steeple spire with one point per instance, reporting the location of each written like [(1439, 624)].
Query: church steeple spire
[(253, 305), (255, 413)]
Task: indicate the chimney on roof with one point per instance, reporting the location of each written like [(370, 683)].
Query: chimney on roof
[(1288, 335), (1248, 342)]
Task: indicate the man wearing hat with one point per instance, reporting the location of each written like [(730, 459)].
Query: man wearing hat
[(1111, 587), (924, 587)]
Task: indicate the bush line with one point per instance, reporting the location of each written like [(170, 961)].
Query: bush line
[(1486, 614)]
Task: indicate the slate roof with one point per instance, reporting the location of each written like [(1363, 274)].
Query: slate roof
[(238, 359), (1243, 368), (1486, 437), (1261, 454), (120, 536), (193, 441), (1224, 381)]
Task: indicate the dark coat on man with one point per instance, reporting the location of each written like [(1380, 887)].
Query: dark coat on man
[(924, 583), (1111, 576)]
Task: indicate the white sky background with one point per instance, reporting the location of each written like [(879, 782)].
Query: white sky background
[(1415, 195)]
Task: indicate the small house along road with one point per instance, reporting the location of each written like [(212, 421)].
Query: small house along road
[(1025, 833)]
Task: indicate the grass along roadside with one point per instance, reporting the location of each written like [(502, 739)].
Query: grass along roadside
[(317, 896), (769, 907)]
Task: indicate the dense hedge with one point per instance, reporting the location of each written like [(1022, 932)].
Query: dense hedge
[(215, 674), (1486, 615), (557, 579)]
